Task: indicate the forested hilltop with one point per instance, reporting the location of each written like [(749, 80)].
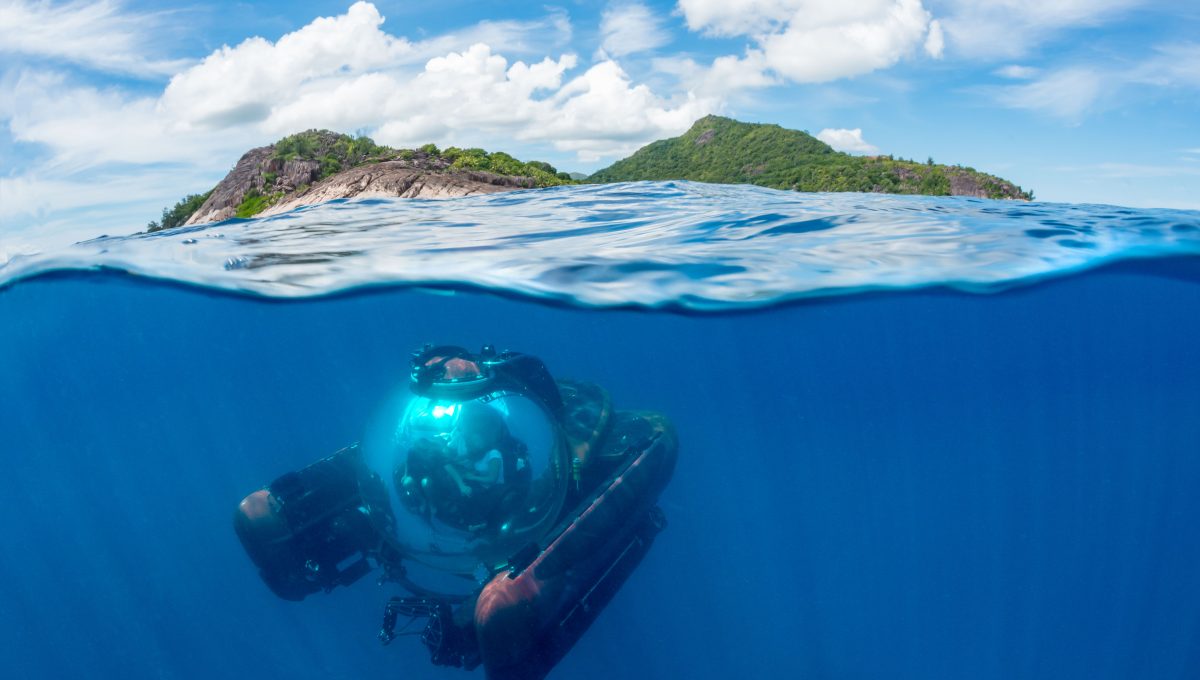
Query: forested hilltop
[(725, 151), (319, 165)]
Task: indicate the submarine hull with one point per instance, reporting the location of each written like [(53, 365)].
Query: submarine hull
[(527, 621)]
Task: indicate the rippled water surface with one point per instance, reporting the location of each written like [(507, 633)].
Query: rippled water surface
[(678, 244)]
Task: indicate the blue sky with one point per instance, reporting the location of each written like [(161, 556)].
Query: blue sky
[(111, 110)]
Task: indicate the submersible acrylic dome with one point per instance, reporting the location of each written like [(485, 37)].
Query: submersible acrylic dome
[(474, 480)]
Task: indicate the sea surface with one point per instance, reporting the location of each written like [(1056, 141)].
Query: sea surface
[(920, 437)]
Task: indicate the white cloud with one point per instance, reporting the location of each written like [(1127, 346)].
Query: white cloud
[(1017, 72), (731, 72), (726, 75), (35, 193), (236, 85), (84, 127), (1068, 93), (815, 41), (603, 114), (935, 42), (850, 141), (476, 96), (347, 73), (1009, 28), (109, 161), (844, 39), (97, 35), (473, 94), (737, 17), (40, 211), (533, 37), (631, 28), (1073, 92), (1172, 65)]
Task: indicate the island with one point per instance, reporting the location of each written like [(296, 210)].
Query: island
[(318, 165)]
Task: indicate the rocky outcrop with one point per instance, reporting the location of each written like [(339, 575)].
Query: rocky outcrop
[(270, 180), (979, 185), (260, 170), (231, 191), (399, 179)]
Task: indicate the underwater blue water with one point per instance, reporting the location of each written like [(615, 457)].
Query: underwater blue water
[(978, 459)]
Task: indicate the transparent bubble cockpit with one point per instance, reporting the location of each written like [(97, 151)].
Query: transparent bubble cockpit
[(473, 480)]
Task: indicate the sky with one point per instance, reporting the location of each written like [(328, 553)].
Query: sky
[(111, 111)]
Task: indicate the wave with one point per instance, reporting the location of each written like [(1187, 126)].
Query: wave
[(683, 245)]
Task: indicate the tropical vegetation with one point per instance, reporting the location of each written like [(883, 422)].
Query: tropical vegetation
[(722, 150), (179, 213)]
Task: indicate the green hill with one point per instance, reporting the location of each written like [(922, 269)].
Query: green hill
[(722, 150), (290, 166)]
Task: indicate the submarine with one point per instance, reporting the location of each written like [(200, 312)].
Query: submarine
[(508, 505)]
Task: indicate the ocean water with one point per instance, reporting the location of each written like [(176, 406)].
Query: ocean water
[(920, 437)]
